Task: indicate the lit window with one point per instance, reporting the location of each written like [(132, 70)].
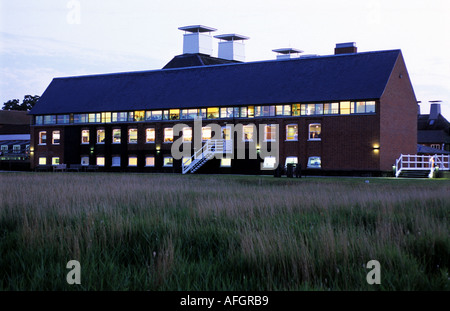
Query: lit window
[(106, 117), (150, 135), (213, 113), (370, 107), (186, 160), (101, 161), (345, 108), (168, 135), (115, 161), (165, 115), (42, 161), (42, 138), (55, 161), (119, 117), (85, 136), (206, 133), (168, 162), (292, 132), (331, 108), (116, 136), (243, 113), (283, 110), (187, 134), (314, 162), (132, 136), (226, 112), (100, 136), (139, 115), (94, 117), (149, 161), (188, 113), (291, 160), (315, 131), (295, 109), (202, 113), (174, 114), (226, 132), (56, 137), (269, 162), (251, 111), (270, 133), (248, 133), (85, 161), (319, 108), (268, 111), (360, 107), (132, 161), (225, 162)]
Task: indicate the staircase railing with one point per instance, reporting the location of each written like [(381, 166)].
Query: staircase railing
[(207, 152)]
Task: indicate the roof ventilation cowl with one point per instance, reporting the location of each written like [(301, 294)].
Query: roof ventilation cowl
[(231, 47), (287, 53), (197, 39)]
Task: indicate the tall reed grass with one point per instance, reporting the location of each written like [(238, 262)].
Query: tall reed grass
[(173, 232)]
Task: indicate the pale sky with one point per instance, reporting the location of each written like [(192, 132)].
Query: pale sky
[(43, 39)]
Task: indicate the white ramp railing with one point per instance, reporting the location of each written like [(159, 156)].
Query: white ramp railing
[(422, 163)]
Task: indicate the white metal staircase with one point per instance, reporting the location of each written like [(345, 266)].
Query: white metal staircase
[(207, 152), (414, 165)]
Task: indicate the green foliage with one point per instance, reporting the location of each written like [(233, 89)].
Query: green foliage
[(27, 104), (171, 232)]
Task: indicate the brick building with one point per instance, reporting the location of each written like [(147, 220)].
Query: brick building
[(348, 112)]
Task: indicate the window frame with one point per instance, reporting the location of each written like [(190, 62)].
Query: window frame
[(310, 132), (42, 141)]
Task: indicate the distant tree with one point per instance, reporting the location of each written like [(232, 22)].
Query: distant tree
[(26, 105)]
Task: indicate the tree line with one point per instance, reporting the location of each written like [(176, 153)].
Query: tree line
[(27, 103)]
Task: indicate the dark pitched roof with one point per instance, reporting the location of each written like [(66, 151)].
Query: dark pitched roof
[(440, 123), (323, 78), (433, 136), (428, 150), (193, 60)]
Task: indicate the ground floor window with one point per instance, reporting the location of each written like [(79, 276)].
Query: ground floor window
[(101, 161), (84, 161), (42, 161), (115, 161), (168, 162), (269, 162), (132, 161), (314, 162), (55, 161), (291, 160), (225, 162), (149, 161)]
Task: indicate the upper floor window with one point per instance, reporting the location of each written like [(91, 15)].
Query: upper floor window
[(187, 134), (42, 138), (116, 136), (292, 132), (56, 137), (248, 133), (206, 133), (168, 135), (346, 108), (150, 135), (85, 136), (213, 113), (331, 108), (270, 133), (174, 114), (63, 119), (315, 130), (132, 136), (101, 136)]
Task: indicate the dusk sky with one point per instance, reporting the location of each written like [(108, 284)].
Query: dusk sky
[(40, 40)]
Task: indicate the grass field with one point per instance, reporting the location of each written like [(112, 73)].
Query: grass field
[(204, 232)]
